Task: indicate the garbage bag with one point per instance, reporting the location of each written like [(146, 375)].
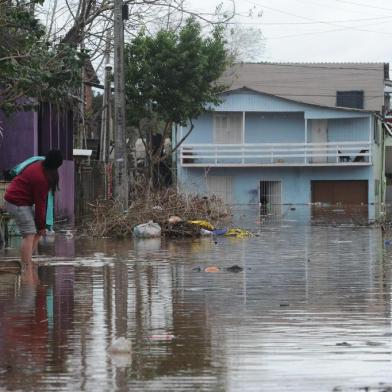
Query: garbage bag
[(147, 230), (203, 224)]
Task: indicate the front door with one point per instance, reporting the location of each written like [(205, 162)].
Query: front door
[(319, 134)]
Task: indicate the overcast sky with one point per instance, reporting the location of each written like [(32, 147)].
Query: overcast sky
[(318, 30)]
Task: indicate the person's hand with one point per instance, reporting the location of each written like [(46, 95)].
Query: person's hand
[(41, 232)]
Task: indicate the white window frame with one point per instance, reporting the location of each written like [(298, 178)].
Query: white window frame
[(241, 130)]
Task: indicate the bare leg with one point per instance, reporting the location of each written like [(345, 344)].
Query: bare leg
[(35, 242), (26, 248)]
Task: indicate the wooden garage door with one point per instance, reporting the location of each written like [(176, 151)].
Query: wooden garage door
[(343, 192)]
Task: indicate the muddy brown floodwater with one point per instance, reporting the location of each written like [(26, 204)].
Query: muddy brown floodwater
[(310, 311)]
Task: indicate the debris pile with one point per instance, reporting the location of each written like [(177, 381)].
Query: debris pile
[(171, 210)]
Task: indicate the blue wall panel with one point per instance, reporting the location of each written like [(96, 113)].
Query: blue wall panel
[(348, 129), (296, 182), (274, 128), (257, 102), (202, 132)]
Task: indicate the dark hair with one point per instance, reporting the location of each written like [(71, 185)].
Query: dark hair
[(53, 160)]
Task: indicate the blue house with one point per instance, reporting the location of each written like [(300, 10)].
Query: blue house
[(261, 148)]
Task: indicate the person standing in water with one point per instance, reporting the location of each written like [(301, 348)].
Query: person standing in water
[(26, 198)]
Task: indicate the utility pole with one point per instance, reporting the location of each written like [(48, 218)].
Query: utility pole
[(106, 116), (120, 144)]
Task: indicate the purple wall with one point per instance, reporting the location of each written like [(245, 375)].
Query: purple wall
[(64, 204), (19, 138), (34, 133)]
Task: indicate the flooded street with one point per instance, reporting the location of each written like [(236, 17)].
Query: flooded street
[(309, 311)]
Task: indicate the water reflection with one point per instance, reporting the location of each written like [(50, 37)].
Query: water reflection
[(310, 310)]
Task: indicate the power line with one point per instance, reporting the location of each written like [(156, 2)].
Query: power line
[(329, 31), (340, 27), (364, 5), (310, 23), (317, 3)]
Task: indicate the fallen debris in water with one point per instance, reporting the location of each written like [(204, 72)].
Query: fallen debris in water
[(120, 345), (147, 230), (238, 233), (212, 269), (163, 337), (344, 344), (203, 224), (234, 268), (168, 208), (174, 220)]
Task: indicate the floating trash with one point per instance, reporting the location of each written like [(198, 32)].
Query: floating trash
[(147, 230), (197, 269), (163, 337), (234, 268), (120, 345), (238, 233), (344, 344), (173, 220), (202, 224), (212, 269)]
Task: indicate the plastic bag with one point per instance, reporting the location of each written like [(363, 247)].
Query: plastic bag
[(147, 230)]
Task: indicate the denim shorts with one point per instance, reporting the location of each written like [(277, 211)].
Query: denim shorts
[(23, 217)]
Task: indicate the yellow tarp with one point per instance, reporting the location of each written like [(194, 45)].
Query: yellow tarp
[(238, 233), (203, 224)]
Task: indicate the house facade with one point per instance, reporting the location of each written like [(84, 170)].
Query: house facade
[(259, 147)]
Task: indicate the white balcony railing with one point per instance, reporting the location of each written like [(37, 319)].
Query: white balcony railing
[(277, 154)]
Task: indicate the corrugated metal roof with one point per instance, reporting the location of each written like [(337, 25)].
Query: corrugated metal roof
[(314, 83)]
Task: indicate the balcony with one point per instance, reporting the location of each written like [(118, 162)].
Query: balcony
[(276, 154)]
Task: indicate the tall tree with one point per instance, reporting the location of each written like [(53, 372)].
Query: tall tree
[(171, 76), (31, 68)]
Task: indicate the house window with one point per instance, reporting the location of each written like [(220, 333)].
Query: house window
[(228, 128), (350, 99), (271, 197)]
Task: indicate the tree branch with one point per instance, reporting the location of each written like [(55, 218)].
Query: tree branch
[(184, 138)]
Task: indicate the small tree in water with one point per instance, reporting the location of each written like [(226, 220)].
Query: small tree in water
[(170, 77)]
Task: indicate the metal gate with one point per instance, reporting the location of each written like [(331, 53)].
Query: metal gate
[(271, 197)]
